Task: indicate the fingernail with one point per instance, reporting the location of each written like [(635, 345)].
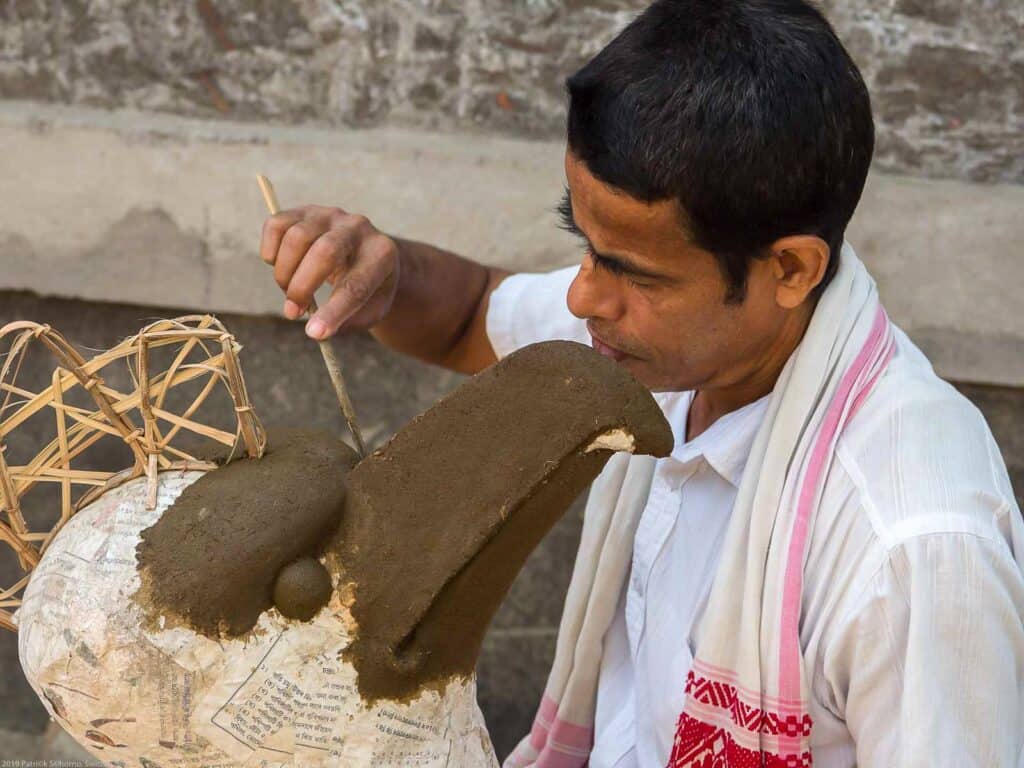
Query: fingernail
[(316, 329)]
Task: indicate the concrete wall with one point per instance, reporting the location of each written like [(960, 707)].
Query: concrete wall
[(88, 194)]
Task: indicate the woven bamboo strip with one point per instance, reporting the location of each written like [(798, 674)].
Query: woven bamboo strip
[(182, 355), (55, 474), (93, 384), (77, 445), (236, 386), (77, 429), (200, 429), (70, 380), (5, 594), (207, 388)]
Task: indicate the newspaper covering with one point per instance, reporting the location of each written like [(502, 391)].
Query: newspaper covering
[(171, 698)]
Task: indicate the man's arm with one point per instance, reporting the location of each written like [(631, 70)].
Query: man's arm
[(928, 672), (413, 297), (439, 311)]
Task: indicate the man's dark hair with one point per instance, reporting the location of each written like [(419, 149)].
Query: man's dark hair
[(749, 113)]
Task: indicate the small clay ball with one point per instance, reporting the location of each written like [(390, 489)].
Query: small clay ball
[(302, 588)]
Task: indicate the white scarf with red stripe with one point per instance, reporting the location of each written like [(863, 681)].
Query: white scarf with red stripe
[(746, 691)]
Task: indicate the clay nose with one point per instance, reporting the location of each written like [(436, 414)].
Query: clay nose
[(302, 588), (438, 523)]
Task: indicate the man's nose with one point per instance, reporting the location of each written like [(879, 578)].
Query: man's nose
[(594, 295)]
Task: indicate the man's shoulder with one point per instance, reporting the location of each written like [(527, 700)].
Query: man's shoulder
[(911, 396), (920, 455), (917, 486)]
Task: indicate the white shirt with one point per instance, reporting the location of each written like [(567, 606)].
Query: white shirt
[(912, 623)]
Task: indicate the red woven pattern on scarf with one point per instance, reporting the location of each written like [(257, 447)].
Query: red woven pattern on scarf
[(700, 745), (705, 745)]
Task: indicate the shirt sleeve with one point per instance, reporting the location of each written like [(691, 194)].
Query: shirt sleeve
[(930, 663), (528, 307)]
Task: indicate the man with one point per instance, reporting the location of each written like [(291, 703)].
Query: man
[(716, 151)]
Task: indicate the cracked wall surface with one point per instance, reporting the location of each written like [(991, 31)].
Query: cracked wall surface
[(946, 77)]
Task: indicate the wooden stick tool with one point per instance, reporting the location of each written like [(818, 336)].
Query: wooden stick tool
[(330, 358)]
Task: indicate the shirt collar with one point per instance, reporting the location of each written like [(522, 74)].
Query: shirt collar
[(725, 445)]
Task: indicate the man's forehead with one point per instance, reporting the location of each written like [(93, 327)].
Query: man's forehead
[(613, 220)]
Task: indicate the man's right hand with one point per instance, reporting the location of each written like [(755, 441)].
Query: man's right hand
[(311, 245)]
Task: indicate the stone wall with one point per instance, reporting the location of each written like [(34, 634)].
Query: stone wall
[(946, 76), (947, 83)]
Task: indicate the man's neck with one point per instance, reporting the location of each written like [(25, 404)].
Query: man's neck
[(710, 404)]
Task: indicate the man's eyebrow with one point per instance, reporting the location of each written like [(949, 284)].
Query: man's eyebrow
[(567, 222)]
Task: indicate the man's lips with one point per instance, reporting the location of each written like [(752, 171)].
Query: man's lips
[(607, 349)]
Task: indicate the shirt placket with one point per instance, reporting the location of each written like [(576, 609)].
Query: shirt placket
[(652, 531)]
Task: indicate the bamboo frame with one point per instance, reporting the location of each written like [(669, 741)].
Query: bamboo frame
[(137, 417)]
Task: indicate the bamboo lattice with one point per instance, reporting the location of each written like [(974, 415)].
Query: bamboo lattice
[(205, 353)]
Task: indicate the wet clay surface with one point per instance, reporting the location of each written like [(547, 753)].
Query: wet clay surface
[(212, 559), (302, 588), (438, 522)]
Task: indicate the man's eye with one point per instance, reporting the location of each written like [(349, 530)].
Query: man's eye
[(614, 268), (611, 266)]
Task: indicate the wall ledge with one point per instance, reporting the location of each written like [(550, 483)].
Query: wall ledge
[(161, 210)]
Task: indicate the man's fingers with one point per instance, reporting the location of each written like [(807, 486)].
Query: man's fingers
[(354, 289), (310, 245), (296, 241), (331, 253), (274, 228)]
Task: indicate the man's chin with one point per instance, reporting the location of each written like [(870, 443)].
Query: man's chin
[(641, 372), (654, 381), (649, 377)]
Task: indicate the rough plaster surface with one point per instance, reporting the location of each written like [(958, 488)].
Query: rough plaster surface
[(946, 76), (947, 83), (181, 225)]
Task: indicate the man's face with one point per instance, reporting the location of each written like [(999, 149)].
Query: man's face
[(655, 302)]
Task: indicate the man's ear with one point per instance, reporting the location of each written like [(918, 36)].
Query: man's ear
[(798, 263)]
